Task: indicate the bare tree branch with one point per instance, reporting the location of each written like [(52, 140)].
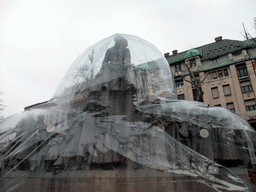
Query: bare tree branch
[(205, 77), (187, 80), (198, 86), (2, 107)]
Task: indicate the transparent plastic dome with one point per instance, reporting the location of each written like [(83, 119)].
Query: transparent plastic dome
[(120, 62), (114, 124)]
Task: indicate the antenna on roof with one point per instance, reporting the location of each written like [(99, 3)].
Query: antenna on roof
[(245, 33), (247, 36)]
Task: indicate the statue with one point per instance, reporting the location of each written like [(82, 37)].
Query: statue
[(123, 130), (116, 61), (119, 53)]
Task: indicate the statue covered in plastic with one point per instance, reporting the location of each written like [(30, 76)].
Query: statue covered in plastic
[(116, 60), (114, 124)]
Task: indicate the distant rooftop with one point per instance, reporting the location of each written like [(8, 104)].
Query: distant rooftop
[(213, 50)]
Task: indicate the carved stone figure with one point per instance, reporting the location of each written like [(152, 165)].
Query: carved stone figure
[(119, 53), (116, 61), (123, 130)]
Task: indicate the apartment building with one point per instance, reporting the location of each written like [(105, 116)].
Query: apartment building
[(224, 71)]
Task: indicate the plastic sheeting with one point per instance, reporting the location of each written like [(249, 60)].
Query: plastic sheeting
[(115, 112)]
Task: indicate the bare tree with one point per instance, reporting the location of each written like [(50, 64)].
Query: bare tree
[(2, 106), (247, 35), (195, 81), (255, 24)]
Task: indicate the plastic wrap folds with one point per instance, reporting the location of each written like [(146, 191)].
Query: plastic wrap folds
[(114, 124)]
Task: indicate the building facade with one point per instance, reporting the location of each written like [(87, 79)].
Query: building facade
[(224, 72)]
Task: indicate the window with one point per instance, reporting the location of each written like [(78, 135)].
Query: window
[(226, 89), (195, 83), (181, 97), (177, 67), (192, 63), (215, 60), (242, 71), (250, 105), (226, 72), (246, 86), (179, 83), (215, 93), (214, 75), (237, 53), (254, 64), (220, 73), (231, 107), (218, 105), (195, 94)]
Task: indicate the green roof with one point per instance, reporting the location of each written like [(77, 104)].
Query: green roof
[(149, 65), (192, 53), (213, 51)]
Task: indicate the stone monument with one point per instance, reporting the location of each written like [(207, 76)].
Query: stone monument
[(124, 130)]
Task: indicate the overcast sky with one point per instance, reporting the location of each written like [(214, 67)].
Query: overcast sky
[(39, 39)]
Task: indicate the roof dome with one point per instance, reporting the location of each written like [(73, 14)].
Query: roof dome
[(192, 53)]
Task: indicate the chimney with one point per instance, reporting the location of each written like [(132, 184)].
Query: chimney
[(175, 52), (166, 54), (218, 38)]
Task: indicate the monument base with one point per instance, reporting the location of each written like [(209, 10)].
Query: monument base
[(125, 180)]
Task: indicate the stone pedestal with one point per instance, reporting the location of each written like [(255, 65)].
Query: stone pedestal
[(146, 179)]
